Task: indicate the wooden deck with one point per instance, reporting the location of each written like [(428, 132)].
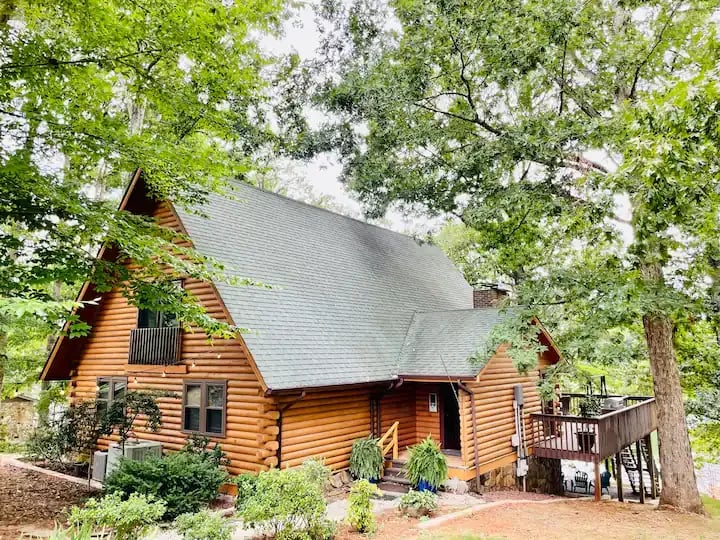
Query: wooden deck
[(453, 461), (591, 439)]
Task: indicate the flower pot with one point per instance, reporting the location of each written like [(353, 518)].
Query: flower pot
[(586, 440), (374, 480), (423, 485)]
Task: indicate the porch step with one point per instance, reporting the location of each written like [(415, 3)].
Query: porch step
[(392, 489), (395, 479)]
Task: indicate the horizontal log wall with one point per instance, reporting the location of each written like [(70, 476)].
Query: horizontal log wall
[(250, 437), (324, 425), (399, 406), (494, 410), (426, 422)]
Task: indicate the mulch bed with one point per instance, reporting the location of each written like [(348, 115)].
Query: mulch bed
[(32, 499)]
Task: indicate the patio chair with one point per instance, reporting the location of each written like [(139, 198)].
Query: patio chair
[(581, 482), (605, 481)]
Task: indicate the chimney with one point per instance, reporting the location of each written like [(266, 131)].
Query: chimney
[(488, 296)]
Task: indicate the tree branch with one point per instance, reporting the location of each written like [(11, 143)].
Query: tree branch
[(658, 40)]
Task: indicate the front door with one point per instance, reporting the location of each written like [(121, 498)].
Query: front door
[(450, 428)]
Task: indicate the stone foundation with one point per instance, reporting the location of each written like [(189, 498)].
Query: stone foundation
[(544, 476), (503, 478)]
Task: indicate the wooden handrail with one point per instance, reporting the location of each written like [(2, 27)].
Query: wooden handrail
[(392, 444)]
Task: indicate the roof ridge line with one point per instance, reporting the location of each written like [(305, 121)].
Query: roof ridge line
[(309, 205)]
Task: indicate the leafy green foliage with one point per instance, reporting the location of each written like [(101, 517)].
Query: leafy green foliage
[(115, 87), (419, 502), (317, 472), (67, 437), (203, 525), (246, 485), (589, 406), (366, 459), (123, 413), (426, 463), (128, 519), (84, 532), (185, 481), (360, 514), (198, 444), (286, 505)]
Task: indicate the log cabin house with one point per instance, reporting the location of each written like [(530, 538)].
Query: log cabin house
[(365, 331)]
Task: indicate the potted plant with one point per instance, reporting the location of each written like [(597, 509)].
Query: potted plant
[(427, 466), (418, 503), (366, 460), (589, 407)]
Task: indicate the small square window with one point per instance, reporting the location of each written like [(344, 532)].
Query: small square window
[(109, 389), (204, 407)]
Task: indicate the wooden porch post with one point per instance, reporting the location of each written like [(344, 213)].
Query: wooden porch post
[(598, 487), (640, 471), (651, 467), (618, 477)]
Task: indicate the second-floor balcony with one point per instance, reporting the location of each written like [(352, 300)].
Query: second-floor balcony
[(155, 346), (596, 438)]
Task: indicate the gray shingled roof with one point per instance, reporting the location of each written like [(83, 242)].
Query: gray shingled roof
[(439, 343), (345, 294)]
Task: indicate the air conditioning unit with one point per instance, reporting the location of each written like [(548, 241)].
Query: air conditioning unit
[(137, 451), (99, 465)]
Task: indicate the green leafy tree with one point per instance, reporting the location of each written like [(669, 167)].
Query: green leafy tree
[(122, 415), (579, 139), (172, 87)]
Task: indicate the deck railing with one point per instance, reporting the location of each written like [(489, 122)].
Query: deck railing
[(155, 346), (592, 439), (389, 442)]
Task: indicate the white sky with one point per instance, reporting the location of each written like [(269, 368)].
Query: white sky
[(322, 173)]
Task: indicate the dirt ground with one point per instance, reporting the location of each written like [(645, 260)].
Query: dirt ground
[(30, 500), (566, 520)]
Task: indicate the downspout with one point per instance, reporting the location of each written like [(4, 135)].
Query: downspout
[(279, 423), (473, 413), (393, 386)]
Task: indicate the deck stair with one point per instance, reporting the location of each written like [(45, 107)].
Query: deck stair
[(393, 479), (635, 465)]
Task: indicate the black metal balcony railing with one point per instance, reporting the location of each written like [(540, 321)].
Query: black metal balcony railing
[(155, 346)]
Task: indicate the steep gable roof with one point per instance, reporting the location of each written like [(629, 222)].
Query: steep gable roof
[(345, 291), (439, 343)]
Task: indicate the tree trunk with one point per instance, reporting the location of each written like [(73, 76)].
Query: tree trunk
[(679, 486)]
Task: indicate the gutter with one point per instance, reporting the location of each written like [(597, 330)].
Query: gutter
[(464, 388)]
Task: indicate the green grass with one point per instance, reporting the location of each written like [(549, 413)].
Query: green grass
[(712, 506)]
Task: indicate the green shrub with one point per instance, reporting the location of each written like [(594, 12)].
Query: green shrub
[(197, 444), (82, 533), (426, 462), (360, 514), (185, 481), (128, 520), (203, 525), (246, 484), (287, 507), (316, 472), (366, 461), (418, 503), (64, 439)]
